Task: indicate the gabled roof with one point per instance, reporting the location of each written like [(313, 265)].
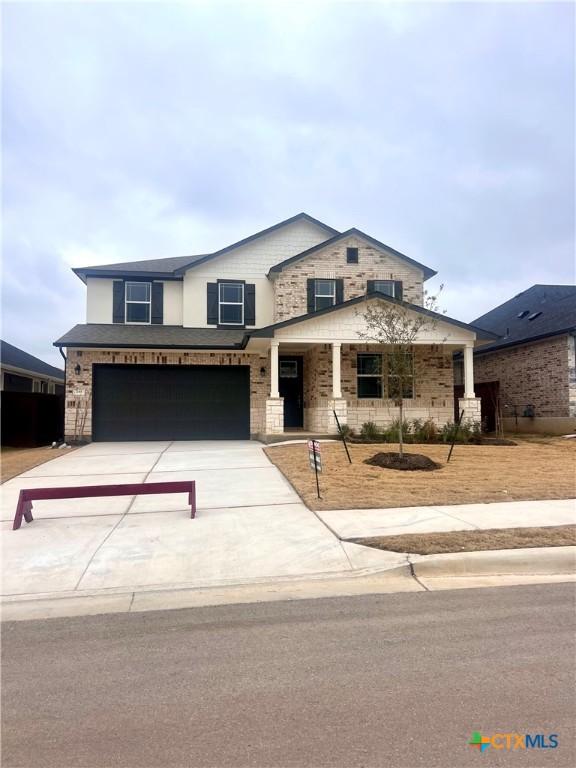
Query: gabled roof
[(175, 267), (358, 233), (17, 358), (159, 268), (262, 233), (151, 337), (268, 331), (538, 312)]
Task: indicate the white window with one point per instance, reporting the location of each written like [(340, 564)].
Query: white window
[(36, 386), (324, 294), (51, 388), (387, 287), (138, 300), (231, 303)]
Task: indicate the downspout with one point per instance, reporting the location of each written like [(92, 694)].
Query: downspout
[(65, 394)]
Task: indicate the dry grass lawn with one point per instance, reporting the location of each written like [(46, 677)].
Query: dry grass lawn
[(14, 461), (542, 469), (474, 541)]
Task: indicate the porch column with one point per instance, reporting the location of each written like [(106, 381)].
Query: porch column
[(336, 385), (274, 391), (469, 371)]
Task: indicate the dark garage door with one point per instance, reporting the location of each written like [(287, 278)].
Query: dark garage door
[(152, 402)]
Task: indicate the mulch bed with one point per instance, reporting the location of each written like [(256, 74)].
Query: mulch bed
[(474, 541), (409, 461)]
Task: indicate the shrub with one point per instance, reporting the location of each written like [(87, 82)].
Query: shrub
[(370, 431), (392, 433), (424, 432), (346, 431), (451, 431)]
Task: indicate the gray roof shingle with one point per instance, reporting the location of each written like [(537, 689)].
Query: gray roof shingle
[(13, 356), (538, 312), (151, 336)]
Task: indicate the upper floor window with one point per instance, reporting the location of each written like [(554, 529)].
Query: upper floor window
[(324, 294), (138, 301), (231, 303), (387, 287), (352, 255)]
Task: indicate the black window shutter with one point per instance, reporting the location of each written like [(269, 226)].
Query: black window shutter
[(249, 304), (339, 291), (212, 303), (157, 303), (398, 289), (118, 301), (370, 286), (311, 289)]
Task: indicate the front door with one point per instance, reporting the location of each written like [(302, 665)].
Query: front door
[(291, 387)]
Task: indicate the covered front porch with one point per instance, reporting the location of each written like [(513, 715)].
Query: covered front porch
[(310, 383), (320, 368)]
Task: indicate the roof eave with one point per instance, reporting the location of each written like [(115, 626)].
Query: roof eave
[(518, 342), (427, 271), (268, 331), (251, 238)]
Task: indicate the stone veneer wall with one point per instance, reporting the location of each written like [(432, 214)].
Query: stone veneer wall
[(541, 374), (433, 387), (259, 384), (290, 286)]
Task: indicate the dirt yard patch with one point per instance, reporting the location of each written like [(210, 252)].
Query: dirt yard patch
[(14, 461), (474, 541), (545, 469), (410, 462)]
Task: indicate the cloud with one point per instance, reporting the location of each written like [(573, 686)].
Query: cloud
[(155, 129)]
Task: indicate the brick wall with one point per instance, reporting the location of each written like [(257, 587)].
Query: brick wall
[(535, 374), (433, 385), (290, 286), (76, 405)]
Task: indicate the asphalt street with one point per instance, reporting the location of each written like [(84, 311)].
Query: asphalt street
[(392, 680)]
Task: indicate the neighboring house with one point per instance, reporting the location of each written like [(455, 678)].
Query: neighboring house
[(259, 337), (22, 372), (533, 361)]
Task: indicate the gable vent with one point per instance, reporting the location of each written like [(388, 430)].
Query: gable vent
[(523, 313), (534, 315)]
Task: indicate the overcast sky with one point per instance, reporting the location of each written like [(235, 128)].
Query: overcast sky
[(141, 130)]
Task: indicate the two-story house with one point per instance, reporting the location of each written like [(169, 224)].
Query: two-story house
[(254, 339)]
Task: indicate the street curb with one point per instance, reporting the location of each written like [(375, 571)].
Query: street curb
[(534, 561)]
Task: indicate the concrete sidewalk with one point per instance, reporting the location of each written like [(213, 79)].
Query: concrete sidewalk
[(359, 523)]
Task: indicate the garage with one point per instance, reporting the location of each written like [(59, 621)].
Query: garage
[(153, 402)]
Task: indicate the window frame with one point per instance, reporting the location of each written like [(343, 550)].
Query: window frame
[(324, 295), (385, 376), (352, 255), (389, 282), (224, 284), (131, 301), (377, 376)]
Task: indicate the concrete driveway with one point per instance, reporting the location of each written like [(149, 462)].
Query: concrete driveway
[(250, 524)]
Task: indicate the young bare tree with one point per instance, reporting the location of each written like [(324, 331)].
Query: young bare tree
[(393, 324)]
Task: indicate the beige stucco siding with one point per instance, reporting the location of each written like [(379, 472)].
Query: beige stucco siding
[(173, 302), (251, 263), (98, 300), (330, 262), (195, 292), (99, 306)]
